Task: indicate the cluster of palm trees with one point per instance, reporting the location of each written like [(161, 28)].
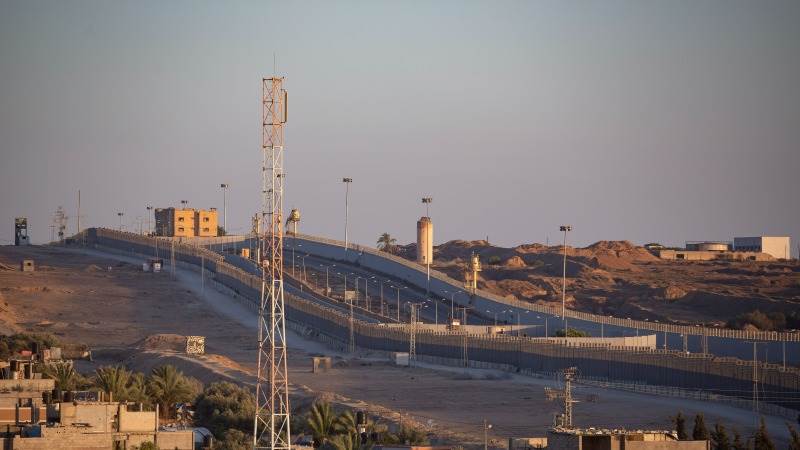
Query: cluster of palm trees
[(165, 386), (332, 431)]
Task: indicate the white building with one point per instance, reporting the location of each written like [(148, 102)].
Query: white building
[(775, 246)]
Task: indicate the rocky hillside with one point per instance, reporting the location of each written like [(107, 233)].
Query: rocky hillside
[(623, 279)]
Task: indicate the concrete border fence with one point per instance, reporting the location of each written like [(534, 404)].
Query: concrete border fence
[(657, 369), (359, 250), (777, 347)]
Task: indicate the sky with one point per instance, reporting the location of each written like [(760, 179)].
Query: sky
[(636, 120)]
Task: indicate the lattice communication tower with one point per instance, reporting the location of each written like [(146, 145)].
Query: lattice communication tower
[(271, 424)]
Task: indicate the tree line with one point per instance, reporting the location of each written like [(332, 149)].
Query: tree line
[(721, 439)]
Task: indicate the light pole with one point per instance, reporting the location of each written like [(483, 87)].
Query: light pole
[(565, 229), (225, 187), (149, 208), (486, 427), (346, 182), (120, 214), (357, 293)]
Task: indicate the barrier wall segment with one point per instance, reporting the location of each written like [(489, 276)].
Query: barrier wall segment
[(722, 376)]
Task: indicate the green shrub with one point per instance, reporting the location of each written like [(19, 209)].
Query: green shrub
[(15, 343), (223, 406), (572, 332), (775, 321)]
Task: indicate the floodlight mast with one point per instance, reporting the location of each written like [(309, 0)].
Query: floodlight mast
[(271, 421), (565, 229)]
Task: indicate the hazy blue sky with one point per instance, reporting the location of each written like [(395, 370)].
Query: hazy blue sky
[(641, 120)]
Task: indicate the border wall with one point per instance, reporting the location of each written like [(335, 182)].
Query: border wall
[(778, 347), (724, 376)]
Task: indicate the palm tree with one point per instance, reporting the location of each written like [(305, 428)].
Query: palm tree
[(113, 380), (408, 436), (168, 386), (761, 440), (321, 421), (386, 243), (349, 441), (137, 389), (64, 375), (346, 423)]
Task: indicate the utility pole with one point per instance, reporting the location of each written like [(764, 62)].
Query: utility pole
[(352, 347), (271, 424), (398, 303), (464, 338), (412, 336), (346, 182), (79, 211), (172, 257), (755, 380), (565, 229)]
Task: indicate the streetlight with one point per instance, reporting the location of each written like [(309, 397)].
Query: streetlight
[(120, 214), (346, 182), (225, 187), (565, 229)]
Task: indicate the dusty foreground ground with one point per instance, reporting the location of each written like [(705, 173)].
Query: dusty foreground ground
[(118, 311)]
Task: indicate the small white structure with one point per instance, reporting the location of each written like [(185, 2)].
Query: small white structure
[(401, 359)]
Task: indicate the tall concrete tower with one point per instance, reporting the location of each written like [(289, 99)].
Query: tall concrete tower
[(424, 241)]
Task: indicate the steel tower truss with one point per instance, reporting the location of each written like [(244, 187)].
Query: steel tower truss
[(271, 423)]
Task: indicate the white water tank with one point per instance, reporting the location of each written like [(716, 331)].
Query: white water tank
[(425, 240)]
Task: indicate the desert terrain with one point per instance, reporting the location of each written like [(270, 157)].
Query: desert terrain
[(139, 319), (621, 279)]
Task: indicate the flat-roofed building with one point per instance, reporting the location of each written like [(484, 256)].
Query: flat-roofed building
[(775, 246), (205, 222), (95, 426), (186, 222), (600, 439)]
